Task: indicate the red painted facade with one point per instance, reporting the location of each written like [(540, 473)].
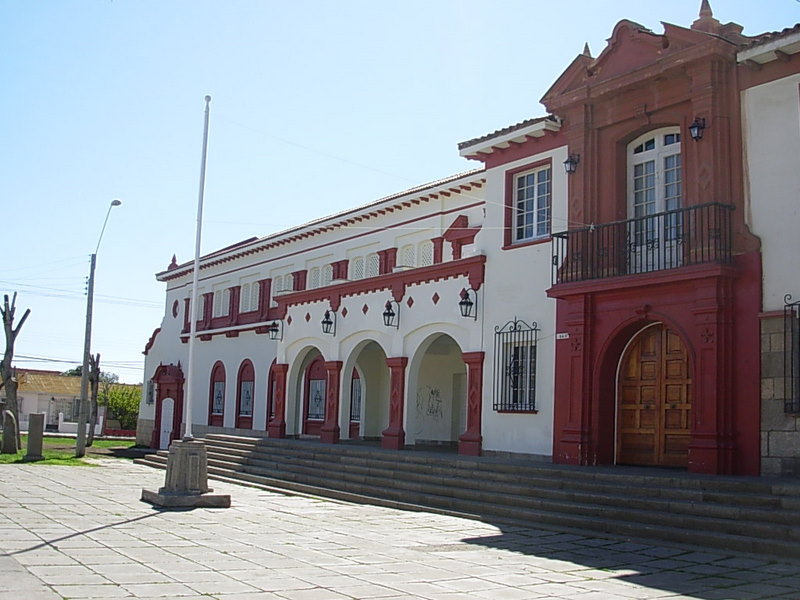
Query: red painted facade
[(640, 83)]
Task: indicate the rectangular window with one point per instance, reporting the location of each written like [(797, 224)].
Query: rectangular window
[(151, 392), (532, 204), (218, 401), (515, 367), (246, 399)]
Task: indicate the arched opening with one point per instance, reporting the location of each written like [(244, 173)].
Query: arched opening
[(245, 391), (654, 399), (270, 394), (168, 381), (216, 395), (314, 395), (437, 392), (366, 399)]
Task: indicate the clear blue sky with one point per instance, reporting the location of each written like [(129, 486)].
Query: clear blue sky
[(318, 106)]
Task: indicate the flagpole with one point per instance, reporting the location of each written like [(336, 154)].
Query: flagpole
[(187, 401)]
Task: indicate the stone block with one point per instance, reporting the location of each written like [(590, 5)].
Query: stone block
[(772, 325), (35, 437), (784, 444), (144, 431), (773, 417), (9, 433), (770, 467), (772, 364), (186, 483), (767, 389), (777, 343)]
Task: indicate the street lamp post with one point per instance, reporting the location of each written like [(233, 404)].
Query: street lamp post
[(80, 438)]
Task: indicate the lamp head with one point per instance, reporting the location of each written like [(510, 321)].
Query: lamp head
[(116, 202)]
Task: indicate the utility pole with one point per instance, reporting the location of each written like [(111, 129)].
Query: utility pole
[(83, 408)]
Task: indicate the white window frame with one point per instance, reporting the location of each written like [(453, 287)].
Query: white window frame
[(532, 204)]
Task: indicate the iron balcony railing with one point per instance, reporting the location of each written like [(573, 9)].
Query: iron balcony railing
[(677, 238)]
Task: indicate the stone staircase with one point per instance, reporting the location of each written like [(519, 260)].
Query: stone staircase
[(741, 514)]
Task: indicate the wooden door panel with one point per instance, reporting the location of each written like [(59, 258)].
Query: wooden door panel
[(654, 414)]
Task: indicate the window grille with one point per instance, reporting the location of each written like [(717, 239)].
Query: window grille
[(373, 265), (313, 278), (151, 392), (425, 253), (218, 401), (255, 291), (791, 355), (357, 268), (327, 274), (515, 367), (244, 301), (407, 256), (246, 399)]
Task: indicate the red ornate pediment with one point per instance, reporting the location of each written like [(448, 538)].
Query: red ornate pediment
[(630, 47)]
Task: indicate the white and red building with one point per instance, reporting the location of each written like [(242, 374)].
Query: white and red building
[(609, 288)]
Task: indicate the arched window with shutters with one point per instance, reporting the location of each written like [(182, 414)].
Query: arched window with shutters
[(245, 395), (357, 268), (244, 298), (425, 253), (216, 400), (327, 274), (407, 258), (373, 265), (313, 278)]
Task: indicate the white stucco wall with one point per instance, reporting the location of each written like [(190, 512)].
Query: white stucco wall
[(771, 124), (516, 284)]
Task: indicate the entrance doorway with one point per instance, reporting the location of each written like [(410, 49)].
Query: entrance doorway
[(654, 400)]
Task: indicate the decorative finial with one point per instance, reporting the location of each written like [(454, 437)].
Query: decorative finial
[(586, 51), (173, 264), (706, 21), (208, 99)]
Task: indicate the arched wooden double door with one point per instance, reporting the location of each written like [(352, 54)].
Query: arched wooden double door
[(654, 401)]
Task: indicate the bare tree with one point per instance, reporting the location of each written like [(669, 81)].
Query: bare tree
[(8, 374), (94, 382)]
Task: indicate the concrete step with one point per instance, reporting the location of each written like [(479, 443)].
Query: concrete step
[(759, 516)]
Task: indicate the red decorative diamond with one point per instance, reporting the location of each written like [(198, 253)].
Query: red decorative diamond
[(410, 302), (344, 312), (435, 298), (289, 320), (365, 309), (308, 317)]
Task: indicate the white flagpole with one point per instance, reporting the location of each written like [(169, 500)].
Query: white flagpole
[(187, 401)]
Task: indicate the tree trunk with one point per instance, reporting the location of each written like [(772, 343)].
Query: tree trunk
[(94, 382), (8, 373)]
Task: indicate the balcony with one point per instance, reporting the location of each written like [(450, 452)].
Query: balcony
[(669, 240)]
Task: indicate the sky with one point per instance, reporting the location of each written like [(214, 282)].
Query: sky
[(317, 106)]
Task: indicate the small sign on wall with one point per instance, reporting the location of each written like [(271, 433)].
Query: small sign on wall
[(562, 336)]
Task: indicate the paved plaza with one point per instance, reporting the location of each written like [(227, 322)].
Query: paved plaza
[(71, 532)]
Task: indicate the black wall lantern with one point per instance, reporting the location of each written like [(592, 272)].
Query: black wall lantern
[(696, 128), (469, 304), (571, 164), (275, 331), (329, 322), (390, 317)]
